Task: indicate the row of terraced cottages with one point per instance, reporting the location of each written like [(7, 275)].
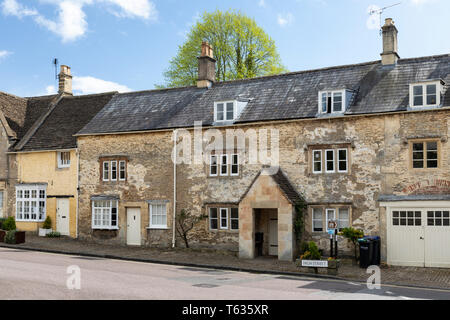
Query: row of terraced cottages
[(365, 145)]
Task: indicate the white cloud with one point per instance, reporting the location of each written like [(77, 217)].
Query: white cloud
[(50, 90), (87, 85), (135, 8), (71, 22), (285, 19), (90, 85), (4, 54), (13, 8)]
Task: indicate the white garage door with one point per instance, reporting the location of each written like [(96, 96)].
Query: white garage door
[(419, 237)]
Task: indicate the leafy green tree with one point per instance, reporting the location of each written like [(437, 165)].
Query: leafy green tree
[(242, 50), (353, 235)]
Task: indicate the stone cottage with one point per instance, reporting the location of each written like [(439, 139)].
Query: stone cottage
[(362, 145)]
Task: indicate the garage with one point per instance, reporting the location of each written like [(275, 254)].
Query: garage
[(418, 234)]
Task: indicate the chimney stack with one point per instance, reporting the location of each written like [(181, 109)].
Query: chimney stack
[(206, 67), (65, 81), (390, 43)]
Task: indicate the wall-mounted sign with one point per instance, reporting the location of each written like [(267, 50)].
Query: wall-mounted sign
[(428, 186)]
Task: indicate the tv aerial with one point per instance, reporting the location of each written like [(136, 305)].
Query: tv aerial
[(374, 10)]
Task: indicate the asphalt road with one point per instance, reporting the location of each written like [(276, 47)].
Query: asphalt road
[(36, 275)]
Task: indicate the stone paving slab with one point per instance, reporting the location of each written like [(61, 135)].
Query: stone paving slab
[(406, 276)]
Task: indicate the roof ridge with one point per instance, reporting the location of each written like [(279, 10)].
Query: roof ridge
[(159, 90), (91, 95), (12, 95)]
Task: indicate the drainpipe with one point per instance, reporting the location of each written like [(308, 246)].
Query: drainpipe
[(77, 152), (174, 189)]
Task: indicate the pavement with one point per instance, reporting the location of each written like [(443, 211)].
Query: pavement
[(37, 275), (228, 261)]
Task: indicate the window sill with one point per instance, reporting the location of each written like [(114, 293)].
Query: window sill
[(158, 228), (35, 221), (106, 229)]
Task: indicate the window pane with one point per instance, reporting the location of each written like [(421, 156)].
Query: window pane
[(330, 160), (418, 90), (234, 213), (220, 112), (213, 213), (317, 160), (337, 102), (431, 94), (230, 111), (418, 101), (324, 102)]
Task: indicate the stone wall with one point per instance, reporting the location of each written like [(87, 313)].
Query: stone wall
[(378, 164)]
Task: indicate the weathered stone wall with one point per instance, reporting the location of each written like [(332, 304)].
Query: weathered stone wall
[(378, 164)]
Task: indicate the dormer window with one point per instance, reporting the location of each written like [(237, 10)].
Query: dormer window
[(224, 111), (333, 101), (425, 94)]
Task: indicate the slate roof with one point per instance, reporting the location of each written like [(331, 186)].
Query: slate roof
[(377, 89), (21, 113), (283, 182), (70, 115)]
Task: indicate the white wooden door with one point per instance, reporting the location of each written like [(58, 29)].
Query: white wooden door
[(437, 238), (133, 226), (419, 237), (273, 237), (62, 217)]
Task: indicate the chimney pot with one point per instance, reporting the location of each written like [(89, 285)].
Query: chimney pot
[(206, 67), (390, 43), (65, 81)]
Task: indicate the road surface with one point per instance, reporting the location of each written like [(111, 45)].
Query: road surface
[(36, 275)]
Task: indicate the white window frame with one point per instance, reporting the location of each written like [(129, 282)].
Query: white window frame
[(22, 200), (332, 93), (225, 103), (155, 225), (326, 161), (61, 163), (222, 227), (222, 156), (216, 218), (216, 165), (328, 217), (104, 210), (103, 170), (234, 164), (314, 161), (124, 170), (313, 220), (111, 170), (425, 94), (339, 217), (338, 160)]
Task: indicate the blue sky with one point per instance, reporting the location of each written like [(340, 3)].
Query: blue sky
[(127, 44)]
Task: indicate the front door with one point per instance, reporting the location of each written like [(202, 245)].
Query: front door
[(273, 237), (133, 226), (62, 216)]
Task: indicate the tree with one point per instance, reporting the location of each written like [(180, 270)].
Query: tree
[(185, 223), (242, 50), (353, 235)]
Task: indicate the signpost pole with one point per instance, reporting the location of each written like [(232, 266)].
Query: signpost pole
[(336, 243)]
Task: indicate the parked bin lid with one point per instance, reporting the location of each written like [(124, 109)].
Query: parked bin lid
[(372, 238)]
